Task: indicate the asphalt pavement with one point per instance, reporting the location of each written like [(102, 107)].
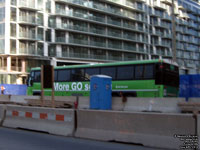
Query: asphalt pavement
[(18, 139)]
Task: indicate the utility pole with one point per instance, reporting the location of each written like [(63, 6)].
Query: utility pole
[(173, 33)]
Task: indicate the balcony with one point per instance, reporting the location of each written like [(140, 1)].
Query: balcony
[(97, 31), (166, 44), (167, 36), (78, 41), (27, 36), (114, 34), (117, 58), (27, 5), (130, 47), (27, 20), (96, 18), (126, 25), (130, 37), (181, 8), (159, 5), (78, 55), (114, 46), (72, 27), (169, 2), (81, 15), (86, 56), (100, 57), (60, 39), (113, 22), (166, 16), (27, 51), (98, 44)]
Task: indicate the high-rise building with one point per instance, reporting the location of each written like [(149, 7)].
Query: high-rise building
[(60, 32)]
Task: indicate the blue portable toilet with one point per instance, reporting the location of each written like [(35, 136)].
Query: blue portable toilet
[(100, 92)]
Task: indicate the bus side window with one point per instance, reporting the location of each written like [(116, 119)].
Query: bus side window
[(90, 72), (125, 73), (148, 71), (63, 75), (55, 75), (109, 71), (139, 72), (77, 74), (37, 76)]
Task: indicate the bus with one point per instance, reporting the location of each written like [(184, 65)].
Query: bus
[(144, 78)]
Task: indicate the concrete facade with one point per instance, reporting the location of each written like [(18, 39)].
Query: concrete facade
[(62, 32)]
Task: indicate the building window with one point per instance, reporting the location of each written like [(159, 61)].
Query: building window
[(40, 4), (40, 49), (2, 12), (2, 30), (13, 29), (52, 50), (48, 35), (13, 14), (48, 6), (13, 2), (13, 46), (60, 36), (2, 46), (40, 33), (97, 54)]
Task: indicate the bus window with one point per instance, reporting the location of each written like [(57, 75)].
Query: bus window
[(167, 74), (55, 75), (125, 73), (37, 76), (148, 72), (63, 75), (90, 72), (77, 74), (139, 72), (109, 71)]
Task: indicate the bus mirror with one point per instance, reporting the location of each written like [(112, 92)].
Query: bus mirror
[(30, 81)]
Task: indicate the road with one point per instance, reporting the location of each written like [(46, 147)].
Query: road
[(15, 139)]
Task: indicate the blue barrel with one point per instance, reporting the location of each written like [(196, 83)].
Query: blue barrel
[(101, 92)]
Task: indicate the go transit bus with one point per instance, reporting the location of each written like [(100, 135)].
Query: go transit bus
[(144, 78)]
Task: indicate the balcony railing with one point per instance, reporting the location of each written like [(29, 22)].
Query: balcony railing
[(27, 51), (23, 3), (99, 44), (115, 58), (27, 35), (60, 39), (103, 8), (31, 20), (78, 41)]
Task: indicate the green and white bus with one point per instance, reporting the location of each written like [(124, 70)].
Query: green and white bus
[(146, 78)]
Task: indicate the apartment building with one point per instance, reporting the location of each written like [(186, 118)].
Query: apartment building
[(61, 32)]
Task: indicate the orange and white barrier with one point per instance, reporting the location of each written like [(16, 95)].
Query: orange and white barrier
[(36, 115), (51, 120)]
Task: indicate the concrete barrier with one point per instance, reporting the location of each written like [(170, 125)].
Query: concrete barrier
[(165, 105), (198, 128), (84, 102), (118, 104), (149, 129), (22, 98), (54, 121), (194, 99), (2, 113), (4, 98)]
